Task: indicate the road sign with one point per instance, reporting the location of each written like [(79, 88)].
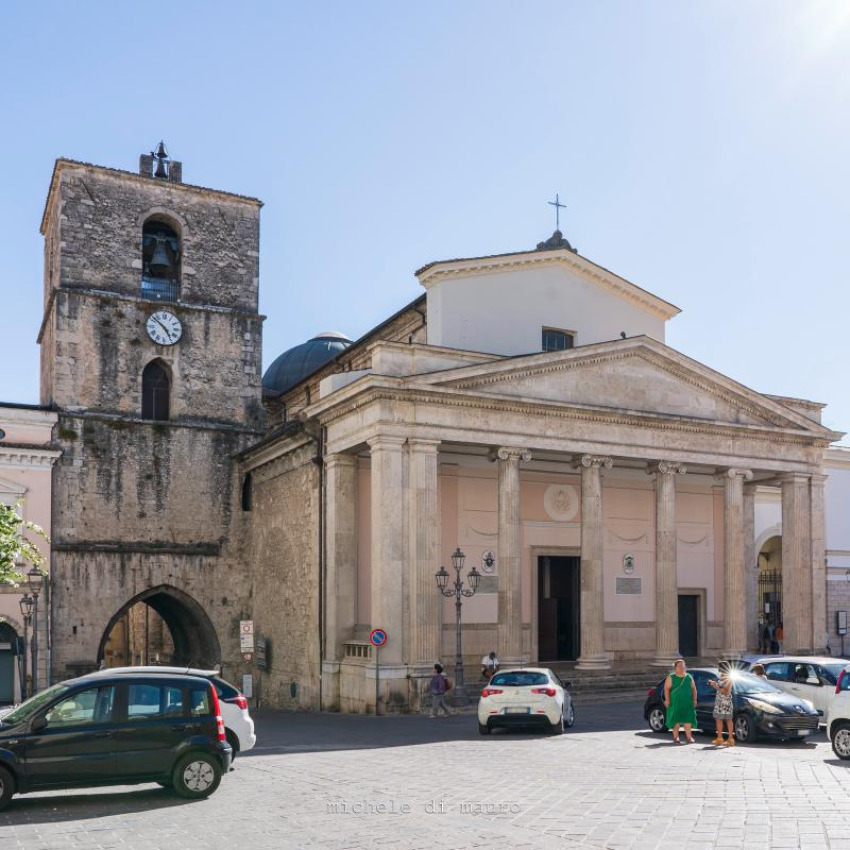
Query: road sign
[(247, 657), (246, 636), (378, 637), (247, 685), (246, 627)]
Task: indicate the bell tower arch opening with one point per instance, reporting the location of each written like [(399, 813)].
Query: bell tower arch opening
[(161, 625)]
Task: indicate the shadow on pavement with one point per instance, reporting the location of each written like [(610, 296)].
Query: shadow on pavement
[(47, 807), (303, 732)]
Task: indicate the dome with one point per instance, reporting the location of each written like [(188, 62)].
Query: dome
[(297, 363)]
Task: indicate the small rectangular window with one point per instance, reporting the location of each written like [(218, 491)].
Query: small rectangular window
[(557, 340)]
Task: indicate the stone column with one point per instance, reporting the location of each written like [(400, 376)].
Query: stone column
[(388, 555), (593, 655), (818, 522), (751, 574), (340, 613), (796, 564), (734, 578), (510, 554), (666, 564), (424, 552)]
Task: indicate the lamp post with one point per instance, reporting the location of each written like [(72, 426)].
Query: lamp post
[(459, 592), (25, 603), (34, 578)]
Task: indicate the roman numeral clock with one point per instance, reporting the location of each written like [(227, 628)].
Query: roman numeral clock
[(164, 327)]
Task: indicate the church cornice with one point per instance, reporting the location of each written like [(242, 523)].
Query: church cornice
[(371, 389), (29, 457)]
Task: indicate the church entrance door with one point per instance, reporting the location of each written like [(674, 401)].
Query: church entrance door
[(559, 600), (688, 625)]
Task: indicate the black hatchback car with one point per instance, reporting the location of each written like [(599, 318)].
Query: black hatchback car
[(760, 709), (116, 730)]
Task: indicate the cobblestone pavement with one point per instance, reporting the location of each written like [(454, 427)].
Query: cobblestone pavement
[(346, 783)]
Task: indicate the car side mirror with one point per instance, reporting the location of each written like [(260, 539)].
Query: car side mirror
[(568, 684), (39, 723)]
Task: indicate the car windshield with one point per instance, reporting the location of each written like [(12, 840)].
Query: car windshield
[(34, 704), (519, 679), (746, 683)]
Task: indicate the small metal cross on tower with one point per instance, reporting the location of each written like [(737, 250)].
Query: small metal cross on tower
[(558, 207)]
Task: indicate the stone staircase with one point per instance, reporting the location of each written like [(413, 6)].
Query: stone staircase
[(623, 682)]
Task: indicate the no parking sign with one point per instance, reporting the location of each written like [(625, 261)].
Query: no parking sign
[(378, 637)]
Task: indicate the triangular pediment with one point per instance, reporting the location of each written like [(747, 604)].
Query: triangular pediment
[(639, 375)]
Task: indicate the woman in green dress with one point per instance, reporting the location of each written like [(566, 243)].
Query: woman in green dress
[(680, 699)]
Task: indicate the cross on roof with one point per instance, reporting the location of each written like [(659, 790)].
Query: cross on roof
[(558, 207)]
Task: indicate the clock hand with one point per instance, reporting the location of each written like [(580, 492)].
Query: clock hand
[(167, 332)]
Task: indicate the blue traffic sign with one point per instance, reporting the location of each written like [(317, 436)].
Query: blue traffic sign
[(378, 637)]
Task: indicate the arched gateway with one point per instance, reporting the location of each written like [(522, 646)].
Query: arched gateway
[(160, 625)]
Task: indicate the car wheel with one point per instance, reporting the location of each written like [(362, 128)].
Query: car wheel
[(558, 728), (484, 729), (841, 741), (745, 729), (233, 741), (7, 787), (196, 776), (657, 719), (570, 719)]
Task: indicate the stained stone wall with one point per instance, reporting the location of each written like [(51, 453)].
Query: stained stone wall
[(284, 541)]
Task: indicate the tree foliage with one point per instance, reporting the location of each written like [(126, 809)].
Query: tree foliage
[(15, 547)]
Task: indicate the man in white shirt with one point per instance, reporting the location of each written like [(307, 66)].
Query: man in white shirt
[(489, 666)]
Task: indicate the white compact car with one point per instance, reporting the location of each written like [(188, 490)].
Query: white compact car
[(528, 696), (239, 727), (810, 677), (838, 716)]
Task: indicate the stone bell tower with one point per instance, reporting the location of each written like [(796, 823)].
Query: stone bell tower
[(151, 354)]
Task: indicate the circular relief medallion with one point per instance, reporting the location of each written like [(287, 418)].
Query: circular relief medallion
[(561, 502)]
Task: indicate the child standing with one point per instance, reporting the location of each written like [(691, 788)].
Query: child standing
[(723, 706)]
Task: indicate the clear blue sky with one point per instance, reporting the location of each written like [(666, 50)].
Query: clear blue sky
[(702, 148)]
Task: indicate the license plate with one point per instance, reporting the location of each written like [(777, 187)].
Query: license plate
[(517, 710), (804, 732)]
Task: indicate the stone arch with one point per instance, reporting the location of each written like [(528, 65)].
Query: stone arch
[(157, 382), (195, 640), (162, 246), (5, 619), (772, 531)]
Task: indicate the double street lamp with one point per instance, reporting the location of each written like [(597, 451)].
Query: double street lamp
[(459, 592), (29, 611)]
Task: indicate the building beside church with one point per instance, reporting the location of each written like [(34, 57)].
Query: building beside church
[(524, 408), (27, 455)]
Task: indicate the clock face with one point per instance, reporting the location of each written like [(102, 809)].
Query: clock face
[(164, 328)]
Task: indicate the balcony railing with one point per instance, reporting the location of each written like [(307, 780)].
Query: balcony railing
[(157, 289)]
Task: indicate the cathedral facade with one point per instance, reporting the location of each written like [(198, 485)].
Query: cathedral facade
[(524, 411)]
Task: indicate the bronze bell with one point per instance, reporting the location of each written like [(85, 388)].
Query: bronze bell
[(161, 157), (160, 264)]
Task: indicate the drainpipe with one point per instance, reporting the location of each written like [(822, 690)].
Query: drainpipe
[(320, 462)]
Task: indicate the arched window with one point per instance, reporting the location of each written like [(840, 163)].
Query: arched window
[(160, 261), (156, 392)]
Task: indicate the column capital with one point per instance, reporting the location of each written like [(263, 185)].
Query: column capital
[(666, 467), (591, 461), (733, 473), (422, 445), (385, 441), (338, 459), (793, 477), (510, 453)]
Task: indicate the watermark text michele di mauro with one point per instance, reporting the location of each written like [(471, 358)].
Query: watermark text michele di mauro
[(435, 806)]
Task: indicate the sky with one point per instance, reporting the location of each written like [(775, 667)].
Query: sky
[(702, 149)]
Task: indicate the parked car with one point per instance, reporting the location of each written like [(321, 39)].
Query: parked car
[(809, 677), (760, 708), (531, 696), (238, 725), (838, 716), (116, 730)]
